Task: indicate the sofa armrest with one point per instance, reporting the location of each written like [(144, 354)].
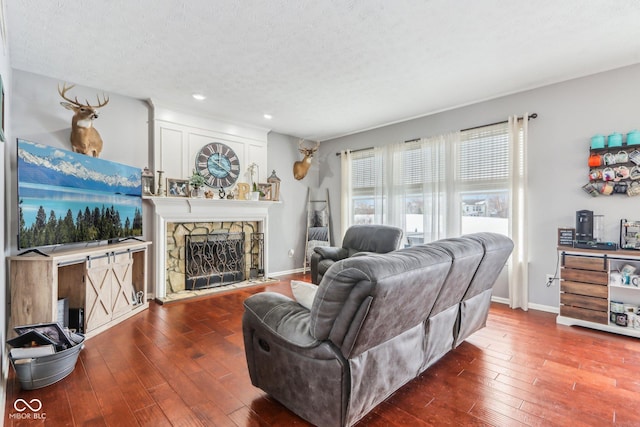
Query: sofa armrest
[(332, 252), (280, 317), (362, 254)]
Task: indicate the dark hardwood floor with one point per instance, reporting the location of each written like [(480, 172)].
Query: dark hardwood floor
[(183, 364)]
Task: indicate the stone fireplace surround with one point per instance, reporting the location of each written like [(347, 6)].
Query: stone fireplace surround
[(169, 211)]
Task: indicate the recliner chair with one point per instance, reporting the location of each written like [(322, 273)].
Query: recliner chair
[(357, 239)]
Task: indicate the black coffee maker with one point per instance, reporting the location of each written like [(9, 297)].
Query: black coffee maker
[(584, 226)]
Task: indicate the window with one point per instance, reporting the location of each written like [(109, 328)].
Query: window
[(363, 184), (483, 179), (435, 187)]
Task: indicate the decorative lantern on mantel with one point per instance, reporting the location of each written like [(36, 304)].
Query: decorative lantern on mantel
[(275, 186), (147, 182)]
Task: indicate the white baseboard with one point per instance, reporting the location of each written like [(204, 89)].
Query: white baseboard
[(532, 306), (500, 300), (284, 273), (547, 308)]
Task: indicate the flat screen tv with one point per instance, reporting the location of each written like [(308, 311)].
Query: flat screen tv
[(66, 197)]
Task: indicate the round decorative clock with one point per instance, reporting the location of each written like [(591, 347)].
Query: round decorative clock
[(218, 164)]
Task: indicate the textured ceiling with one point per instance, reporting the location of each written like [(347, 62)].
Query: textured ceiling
[(321, 68)]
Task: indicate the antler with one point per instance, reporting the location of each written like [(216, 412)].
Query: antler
[(64, 91), (100, 104), (313, 149), (105, 99)]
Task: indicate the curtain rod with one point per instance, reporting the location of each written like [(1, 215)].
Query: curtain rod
[(531, 116)]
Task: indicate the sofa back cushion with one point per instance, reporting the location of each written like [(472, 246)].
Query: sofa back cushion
[(367, 300), (466, 255), (497, 249)]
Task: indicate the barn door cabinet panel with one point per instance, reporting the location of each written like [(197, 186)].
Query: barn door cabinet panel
[(97, 292), (108, 282), (590, 282), (109, 288), (583, 290)]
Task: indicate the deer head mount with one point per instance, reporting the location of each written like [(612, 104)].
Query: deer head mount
[(301, 167), (84, 137)]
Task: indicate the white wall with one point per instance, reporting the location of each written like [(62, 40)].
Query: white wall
[(569, 114), (39, 117), (178, 138), (288, 220)]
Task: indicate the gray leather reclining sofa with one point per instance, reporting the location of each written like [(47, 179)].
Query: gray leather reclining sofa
[(377, 322)]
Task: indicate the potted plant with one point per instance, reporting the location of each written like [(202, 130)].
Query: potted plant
[(256, 189), (197, 181)]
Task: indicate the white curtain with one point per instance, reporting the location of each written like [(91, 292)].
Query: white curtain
[(442, 198), (415, 179), (518, 272), (428, 186), (388, 195), (346, 214)]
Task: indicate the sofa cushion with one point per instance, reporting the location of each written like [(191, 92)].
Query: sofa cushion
[(466, 255), (358, 298), (304, 293)]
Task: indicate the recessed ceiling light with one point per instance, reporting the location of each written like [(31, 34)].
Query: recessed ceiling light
[(268, 116), (199, 96)]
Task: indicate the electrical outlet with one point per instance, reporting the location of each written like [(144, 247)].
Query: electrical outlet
[(550, 280)]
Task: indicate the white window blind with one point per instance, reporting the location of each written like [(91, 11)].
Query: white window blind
[(484, 154), (363, 171)]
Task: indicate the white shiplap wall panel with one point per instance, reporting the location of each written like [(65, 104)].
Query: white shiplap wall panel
[(178, 138)]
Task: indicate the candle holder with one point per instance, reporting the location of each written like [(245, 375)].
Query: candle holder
[(160, 191)]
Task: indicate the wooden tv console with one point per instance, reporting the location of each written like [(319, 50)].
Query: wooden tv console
[(108, 282)]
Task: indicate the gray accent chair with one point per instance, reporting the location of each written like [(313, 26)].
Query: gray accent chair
[(377, 322), (357, 239)]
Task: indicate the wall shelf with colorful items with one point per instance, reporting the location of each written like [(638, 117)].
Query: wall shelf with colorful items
[(614, 165)]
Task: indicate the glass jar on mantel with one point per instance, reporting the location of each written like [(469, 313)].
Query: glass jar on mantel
[(197, 192)]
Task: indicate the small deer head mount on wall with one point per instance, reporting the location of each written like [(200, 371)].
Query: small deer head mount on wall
[(84, 137), (301, 167)]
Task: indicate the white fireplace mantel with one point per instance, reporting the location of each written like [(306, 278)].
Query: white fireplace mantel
[(182, 209)]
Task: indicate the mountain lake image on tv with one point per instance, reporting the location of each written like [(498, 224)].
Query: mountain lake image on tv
[(67, 197)]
